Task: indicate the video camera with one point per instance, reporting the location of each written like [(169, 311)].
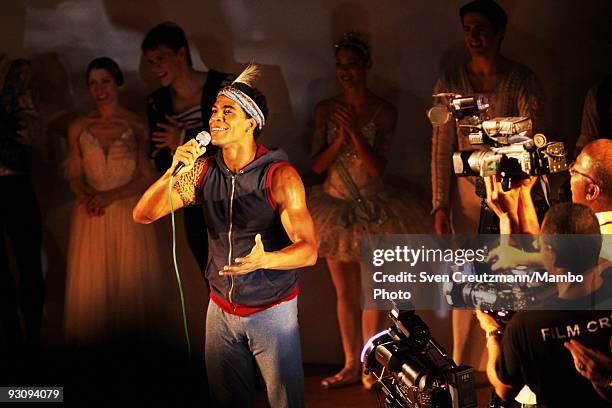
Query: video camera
[(498, 302), (498, 299), (508, 149), (413, 369)]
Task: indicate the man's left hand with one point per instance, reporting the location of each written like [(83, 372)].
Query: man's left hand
[(500, 201), (254, 260), (591, 364)]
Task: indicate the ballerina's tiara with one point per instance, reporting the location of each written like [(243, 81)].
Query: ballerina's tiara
[(356, 40)]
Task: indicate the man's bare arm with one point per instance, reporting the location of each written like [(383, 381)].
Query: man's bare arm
[(288, 191), (488, 324), (154, 203), (528, 217)]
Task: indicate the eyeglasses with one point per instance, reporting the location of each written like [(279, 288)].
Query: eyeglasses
[(572, 171)]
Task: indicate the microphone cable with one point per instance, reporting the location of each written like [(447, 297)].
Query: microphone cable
[(176, 268), (203, 138)]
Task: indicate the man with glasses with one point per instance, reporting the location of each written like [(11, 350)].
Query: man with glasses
[(591, 185), (591, 181)]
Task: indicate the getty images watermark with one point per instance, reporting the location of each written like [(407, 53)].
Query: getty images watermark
[(465, 271)]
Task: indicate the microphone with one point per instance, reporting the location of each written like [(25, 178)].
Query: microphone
[(203, 139)]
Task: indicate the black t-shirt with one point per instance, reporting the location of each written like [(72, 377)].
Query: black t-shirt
[(533, 352)]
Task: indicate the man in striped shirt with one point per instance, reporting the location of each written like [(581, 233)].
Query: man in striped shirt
[(179, 110)]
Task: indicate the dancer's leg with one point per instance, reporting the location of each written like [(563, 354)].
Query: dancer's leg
[(346, 279)]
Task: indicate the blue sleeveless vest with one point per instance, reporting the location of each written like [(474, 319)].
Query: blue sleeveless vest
[(237, 207)]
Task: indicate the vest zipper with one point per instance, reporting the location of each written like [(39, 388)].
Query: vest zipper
[(229, 237)]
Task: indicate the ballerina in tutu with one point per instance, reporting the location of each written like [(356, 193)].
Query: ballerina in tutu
[(351, 140)]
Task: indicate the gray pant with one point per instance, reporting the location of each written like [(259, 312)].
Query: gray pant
[(270, 339)]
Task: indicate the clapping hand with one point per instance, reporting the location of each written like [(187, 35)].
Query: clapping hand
[(168, 134), (346, 119)]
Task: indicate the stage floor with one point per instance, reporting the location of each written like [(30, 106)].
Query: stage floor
[(354, 396)]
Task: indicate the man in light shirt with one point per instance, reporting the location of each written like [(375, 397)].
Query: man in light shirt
[(591, 181)]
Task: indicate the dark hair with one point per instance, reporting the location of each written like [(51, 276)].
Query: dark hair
[(169, 34), (259, 98), (109, 66), (356, 42), (490, 9), (561, 225)]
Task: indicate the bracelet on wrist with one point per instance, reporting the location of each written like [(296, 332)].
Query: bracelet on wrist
[(494, 333)]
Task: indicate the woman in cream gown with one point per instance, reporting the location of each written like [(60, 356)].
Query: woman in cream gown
[(114, 275)]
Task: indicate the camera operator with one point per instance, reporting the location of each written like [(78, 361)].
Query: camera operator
[(591, 181), (530, 349), (512, 90), (591, 184)]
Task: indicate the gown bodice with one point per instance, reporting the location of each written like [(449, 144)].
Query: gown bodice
[(111, 169)]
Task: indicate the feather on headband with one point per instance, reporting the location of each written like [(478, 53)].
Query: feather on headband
[(248, 78), (249, 75)]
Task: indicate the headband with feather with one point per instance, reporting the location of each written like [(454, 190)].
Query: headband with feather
[(248, 78)]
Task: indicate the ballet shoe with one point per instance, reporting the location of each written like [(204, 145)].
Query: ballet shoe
[(344, 378)]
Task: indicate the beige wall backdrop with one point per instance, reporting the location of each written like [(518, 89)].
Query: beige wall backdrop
[(566, 42)]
